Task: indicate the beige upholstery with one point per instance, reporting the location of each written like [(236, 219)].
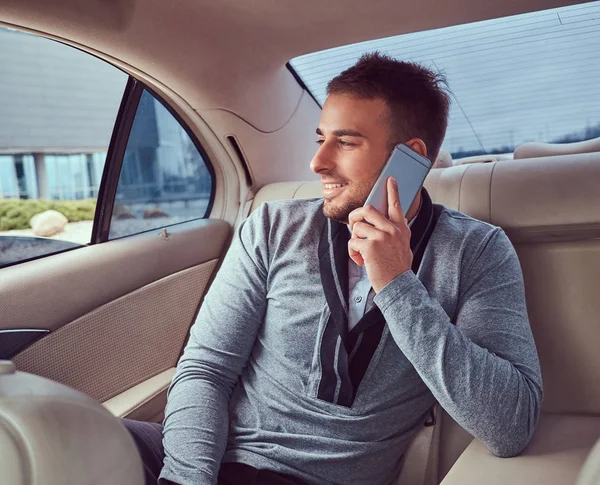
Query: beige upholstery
[(307, 190), (443, 160), (590, 474), (128, 264), (119, 312), (554, 456), (549, 207), (535, 150), (534, 200), (480, 159), (144, 402), (53, 435), (144, 331)]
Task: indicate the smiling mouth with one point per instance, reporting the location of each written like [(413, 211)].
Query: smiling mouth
[(333, 186), (332, 190)]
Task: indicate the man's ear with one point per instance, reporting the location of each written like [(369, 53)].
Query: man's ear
[(418, 146)]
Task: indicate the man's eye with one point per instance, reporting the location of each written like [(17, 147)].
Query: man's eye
[(347, 143), (320, 142)]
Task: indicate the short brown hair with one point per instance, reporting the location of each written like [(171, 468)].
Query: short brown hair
[(417, 97)]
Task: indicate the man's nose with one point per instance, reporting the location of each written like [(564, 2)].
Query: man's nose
[(322, 161)]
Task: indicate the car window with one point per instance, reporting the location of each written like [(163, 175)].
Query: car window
[(59, 107), (530, 77), (164, 178)]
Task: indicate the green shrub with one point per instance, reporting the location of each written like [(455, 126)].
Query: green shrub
[(16, 213)]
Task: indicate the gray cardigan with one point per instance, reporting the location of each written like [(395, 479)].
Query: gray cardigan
[(248, 387)]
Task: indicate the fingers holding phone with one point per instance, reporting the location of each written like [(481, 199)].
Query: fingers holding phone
[(394, 210), (380, 234)]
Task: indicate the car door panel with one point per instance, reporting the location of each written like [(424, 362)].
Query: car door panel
[(118, 312), (66, 286)]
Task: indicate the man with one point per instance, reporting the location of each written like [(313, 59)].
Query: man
[(331, 329)]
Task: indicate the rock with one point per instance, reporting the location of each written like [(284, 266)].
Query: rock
[(154, 213), (119, 209), (48, 223), (125, 215)]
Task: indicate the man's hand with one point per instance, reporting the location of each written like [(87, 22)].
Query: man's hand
[(382, 245)]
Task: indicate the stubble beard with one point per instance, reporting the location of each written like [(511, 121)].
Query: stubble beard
[(339, 212)]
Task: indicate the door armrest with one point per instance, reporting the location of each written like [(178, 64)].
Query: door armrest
[(144, 402)]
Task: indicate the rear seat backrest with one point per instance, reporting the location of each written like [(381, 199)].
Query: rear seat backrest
[(441, 192), (550, 208)]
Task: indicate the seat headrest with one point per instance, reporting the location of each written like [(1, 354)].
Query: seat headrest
[(536, 150), (443, 160), (51, 434)]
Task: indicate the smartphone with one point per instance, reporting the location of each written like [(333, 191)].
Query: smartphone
[(409, 169)]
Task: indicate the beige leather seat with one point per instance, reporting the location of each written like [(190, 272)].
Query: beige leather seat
[(590, 474), (51, 434), (555, 455), (482, 159), (536, 150), (550, 208)]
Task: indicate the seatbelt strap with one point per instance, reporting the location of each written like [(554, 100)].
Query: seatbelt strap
[(421, 459)]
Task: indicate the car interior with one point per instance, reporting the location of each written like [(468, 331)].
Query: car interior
[(112, 319)]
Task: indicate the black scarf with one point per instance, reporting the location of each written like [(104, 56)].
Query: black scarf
[(345, 356)]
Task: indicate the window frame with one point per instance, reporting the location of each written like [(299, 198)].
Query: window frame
[(116, 153), (114, 160)]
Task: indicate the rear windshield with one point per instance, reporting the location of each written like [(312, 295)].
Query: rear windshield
[(530, 77)]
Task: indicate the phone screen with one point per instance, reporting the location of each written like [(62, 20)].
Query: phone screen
[(410, 170)]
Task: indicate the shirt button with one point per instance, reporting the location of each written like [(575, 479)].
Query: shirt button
[(358, 299)]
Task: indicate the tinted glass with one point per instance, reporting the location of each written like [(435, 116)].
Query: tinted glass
[(531, 77), (164, 179)]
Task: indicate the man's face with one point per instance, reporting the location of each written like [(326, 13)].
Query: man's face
[(354, 139)]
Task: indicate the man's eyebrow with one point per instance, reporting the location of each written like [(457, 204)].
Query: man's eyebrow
[(339, 133)]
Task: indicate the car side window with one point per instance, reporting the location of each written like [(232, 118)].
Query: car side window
[(58, 110), (164, 179)]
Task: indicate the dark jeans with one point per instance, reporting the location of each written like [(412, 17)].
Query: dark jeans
[(148, 438)]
